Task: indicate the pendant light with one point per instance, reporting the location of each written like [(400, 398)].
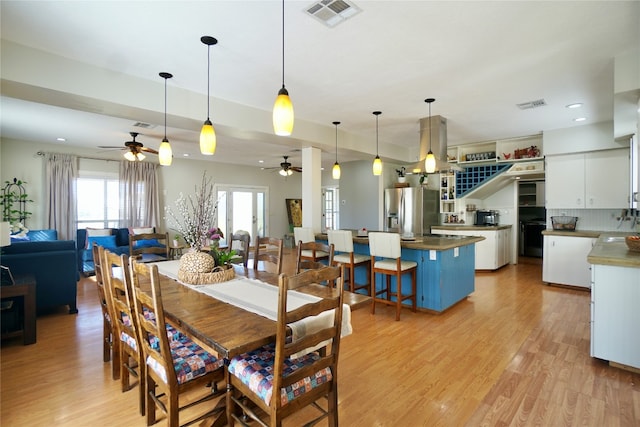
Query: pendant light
[(430, 160), (283, 108), (208, 134), (165, 154), (377, 163), (336, 166)]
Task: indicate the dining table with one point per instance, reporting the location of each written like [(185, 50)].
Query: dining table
[(226, 328)]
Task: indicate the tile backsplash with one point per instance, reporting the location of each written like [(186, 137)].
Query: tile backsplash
[(596, 219)]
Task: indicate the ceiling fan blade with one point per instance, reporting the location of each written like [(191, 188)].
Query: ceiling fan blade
[(296, 168), (113, 147), (148, 150)]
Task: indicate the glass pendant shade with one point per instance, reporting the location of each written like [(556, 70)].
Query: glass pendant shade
[(287, 172), (283, 114), (165, 154), (335, 173), (430, 163), (377, 166), (208, 139), (377, 163)]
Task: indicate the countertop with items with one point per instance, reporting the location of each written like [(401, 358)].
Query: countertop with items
[(471, 227), (611, 249), (441, 242)]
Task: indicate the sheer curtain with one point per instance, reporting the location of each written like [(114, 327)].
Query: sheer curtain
[(61, 171), (139, 205)]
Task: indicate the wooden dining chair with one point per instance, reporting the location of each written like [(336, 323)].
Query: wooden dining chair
[(342, 240), (268, 250), (386, 247), (127, 355), (173, 367), (274, 381), (107, 327), (149, 247), (239, 242)]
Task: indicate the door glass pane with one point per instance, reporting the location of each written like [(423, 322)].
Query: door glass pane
[(242, 211), (222, 215), (260, 212)]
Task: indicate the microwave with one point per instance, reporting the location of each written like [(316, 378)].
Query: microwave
[(486, 217)]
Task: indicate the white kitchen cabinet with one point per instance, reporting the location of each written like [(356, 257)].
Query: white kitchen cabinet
[(615, 318), (565, 260), (594, 180), (491, 253)]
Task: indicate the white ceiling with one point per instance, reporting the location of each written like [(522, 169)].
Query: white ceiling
[(477, 58)]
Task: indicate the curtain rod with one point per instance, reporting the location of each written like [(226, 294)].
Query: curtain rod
[(42, 153)]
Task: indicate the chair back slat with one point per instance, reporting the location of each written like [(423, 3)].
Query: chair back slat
[(239, 242), (271, 253), (151, 320), (118, 292), (331, 332), (149, 243)]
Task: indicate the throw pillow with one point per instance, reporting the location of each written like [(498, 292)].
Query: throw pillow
[(107, 242), (141, 230), (147, 243), (92, 232)]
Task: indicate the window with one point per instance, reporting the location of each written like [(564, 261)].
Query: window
[(330, 209), (98, 202)]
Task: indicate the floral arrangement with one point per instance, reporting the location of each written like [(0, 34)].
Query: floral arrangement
[(194, 214), (214, 233)]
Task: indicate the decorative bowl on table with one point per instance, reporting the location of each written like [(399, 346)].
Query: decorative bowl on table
[(633, 243)]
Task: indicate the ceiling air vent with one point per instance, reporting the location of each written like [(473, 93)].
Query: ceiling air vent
[(532, 104), (332, 12), (143, 125)]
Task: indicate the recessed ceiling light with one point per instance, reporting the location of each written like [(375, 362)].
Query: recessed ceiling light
[(61, 139), (185, 155), (580, 119), (575, 105), (260, 161)]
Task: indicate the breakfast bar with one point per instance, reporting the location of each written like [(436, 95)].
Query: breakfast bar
[(446, 267)]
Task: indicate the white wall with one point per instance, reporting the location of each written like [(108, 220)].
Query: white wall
[(597, 136)]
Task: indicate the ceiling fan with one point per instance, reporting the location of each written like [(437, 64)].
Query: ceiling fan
[(286, 168), (134, 149)]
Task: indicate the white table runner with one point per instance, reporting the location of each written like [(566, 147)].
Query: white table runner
[(262, 298)]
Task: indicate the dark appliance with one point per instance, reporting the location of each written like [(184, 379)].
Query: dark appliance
[(486, 217), (531, 240)]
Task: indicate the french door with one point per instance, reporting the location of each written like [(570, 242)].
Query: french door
[(242, 208)]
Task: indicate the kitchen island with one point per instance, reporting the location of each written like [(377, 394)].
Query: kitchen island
[(615, 296), (445, 274)]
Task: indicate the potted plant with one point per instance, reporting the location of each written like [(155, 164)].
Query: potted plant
[(401, 174), (176, 240)]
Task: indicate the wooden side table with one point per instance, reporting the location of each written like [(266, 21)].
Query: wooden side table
[(175, 252), (24, 287)]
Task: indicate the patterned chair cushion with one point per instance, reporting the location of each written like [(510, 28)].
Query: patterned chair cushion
[(172, 333), (189, 361), (255, 369)]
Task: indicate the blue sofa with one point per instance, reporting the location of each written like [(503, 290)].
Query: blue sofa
[(52, 262), (85, 255)]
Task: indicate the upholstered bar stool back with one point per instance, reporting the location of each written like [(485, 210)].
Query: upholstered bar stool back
[(386, 259), (306, 235), (342, 241)]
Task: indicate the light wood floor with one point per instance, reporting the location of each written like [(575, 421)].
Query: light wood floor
[(515, 353)]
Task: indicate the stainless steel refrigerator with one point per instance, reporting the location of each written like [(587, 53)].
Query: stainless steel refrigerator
[(411, 210)]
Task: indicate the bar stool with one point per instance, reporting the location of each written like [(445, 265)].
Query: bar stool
[(306, 235), (342, 241), (387, 247)]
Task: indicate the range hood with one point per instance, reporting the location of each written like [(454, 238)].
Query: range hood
[(438, 146)]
